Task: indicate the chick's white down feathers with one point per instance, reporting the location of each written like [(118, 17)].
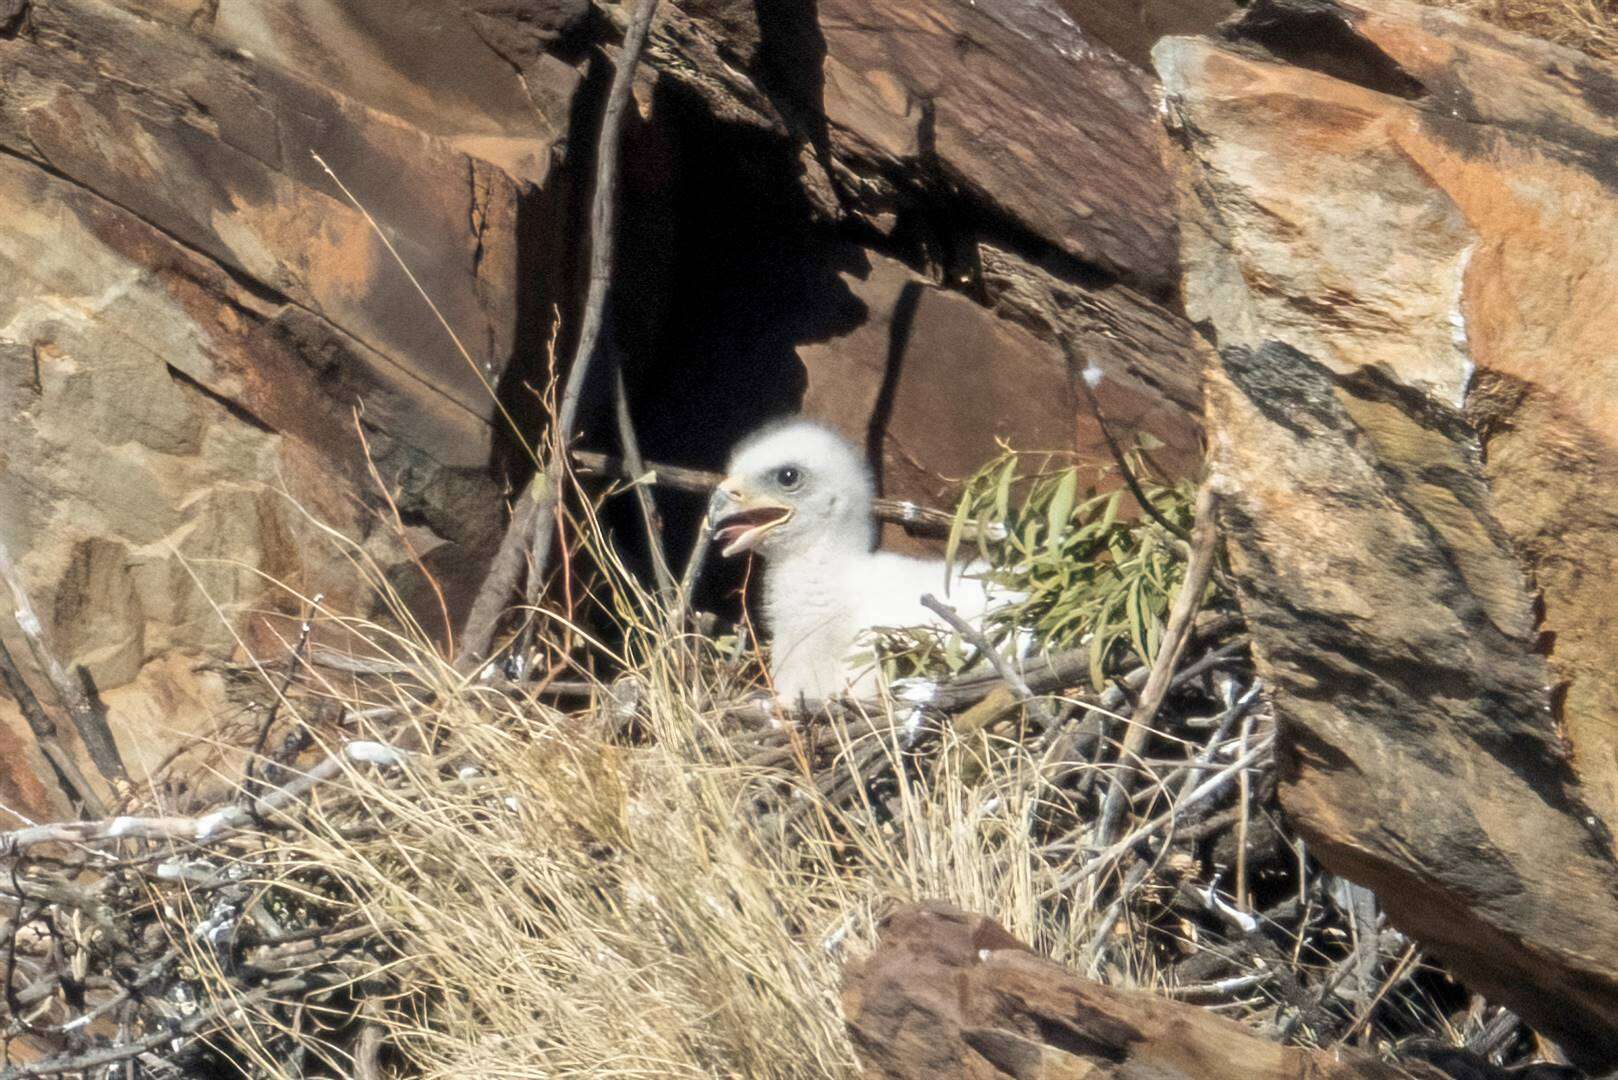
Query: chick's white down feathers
[(825, 586)]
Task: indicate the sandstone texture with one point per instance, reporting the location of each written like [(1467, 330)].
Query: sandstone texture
[(203, 340), (1400, 231)]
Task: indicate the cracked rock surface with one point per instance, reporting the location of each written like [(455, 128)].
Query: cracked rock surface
[(1399, 230)]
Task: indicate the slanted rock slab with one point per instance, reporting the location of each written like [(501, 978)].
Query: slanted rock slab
[(947, 993), (1401, 237)]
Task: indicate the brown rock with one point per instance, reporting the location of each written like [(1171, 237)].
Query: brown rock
[(1016, 107), (1014, 167), (197, 324), (1402, 241), (952, 994), (942, 382)]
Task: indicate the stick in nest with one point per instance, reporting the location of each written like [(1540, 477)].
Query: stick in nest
[(1175, 635), (1019, 686), (534, 513)]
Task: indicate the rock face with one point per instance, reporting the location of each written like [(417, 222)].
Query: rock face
[(1000, 173), (1400, 233), (952, 994), (197, 325)]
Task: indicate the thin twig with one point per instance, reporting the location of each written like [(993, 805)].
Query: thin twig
[(1019, 686), (368, 1046), (630, 442), (1117, 452), (207, 827), (1103, 931), (1401, 970), (294, 660), (1244, 799), (1175, 636), (693, 568), (224, 1013), (534, 515), (1207, 788)]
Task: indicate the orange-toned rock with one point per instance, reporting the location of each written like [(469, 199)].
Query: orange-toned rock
[(196, 323), (1402, 229)]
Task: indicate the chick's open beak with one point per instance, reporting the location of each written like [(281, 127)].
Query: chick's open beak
[(741, 519)]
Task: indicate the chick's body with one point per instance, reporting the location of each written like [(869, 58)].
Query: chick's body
[(816, 615), (825, 587)]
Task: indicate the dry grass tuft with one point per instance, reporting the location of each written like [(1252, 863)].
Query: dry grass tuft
[(561, 905), (1588, 25)]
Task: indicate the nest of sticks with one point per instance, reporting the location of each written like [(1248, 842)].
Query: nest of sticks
[(242, 925)]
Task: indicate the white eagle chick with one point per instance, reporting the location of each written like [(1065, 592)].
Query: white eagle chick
[(801, 496)]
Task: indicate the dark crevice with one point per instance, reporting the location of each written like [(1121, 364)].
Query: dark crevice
[(234, 408), (13, 18), (791, 72), (1320, 36), (725, 268), (939, 227)]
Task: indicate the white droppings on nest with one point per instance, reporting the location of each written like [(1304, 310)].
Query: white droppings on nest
[(366, 752), (832, 943), (1247, 922), (208, 824), (918, 694), (468, 772)]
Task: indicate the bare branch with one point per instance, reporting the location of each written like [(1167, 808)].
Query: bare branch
[(630, 443), (534, 515), (1118, 456), (89, 720), (1175, 635), (1019, 686)]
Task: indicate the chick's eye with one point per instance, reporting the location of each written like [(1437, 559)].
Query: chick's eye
[(788, 477)]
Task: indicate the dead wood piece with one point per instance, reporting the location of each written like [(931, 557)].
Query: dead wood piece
[(629, 441), (1175, 635), (947, 993), (534, 514), (90, 721)]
